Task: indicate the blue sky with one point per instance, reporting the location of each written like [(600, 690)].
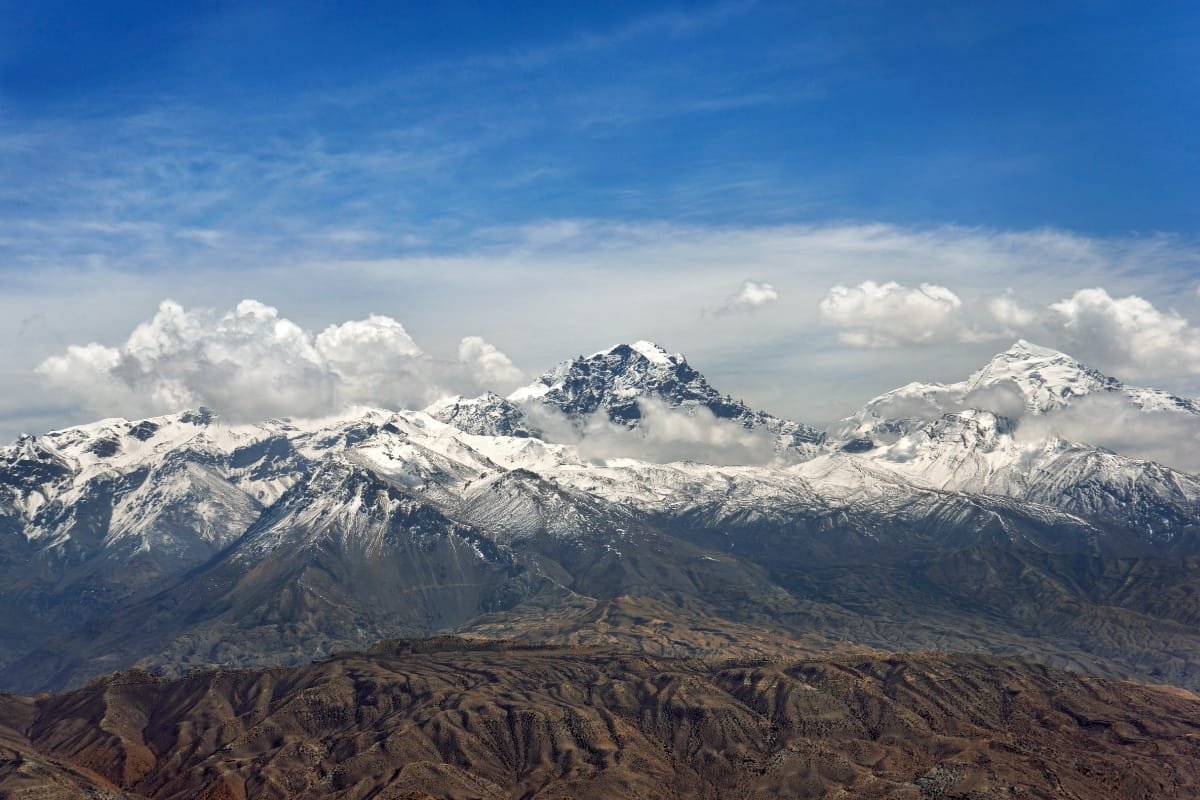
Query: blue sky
[(445, 118), (394, 158)]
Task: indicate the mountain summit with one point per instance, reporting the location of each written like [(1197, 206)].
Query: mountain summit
[(1050, 380), (617, 382), (1046, 378), (1026, 379), (612, 381)]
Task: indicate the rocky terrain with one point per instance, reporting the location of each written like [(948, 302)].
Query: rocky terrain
[(457, 719)]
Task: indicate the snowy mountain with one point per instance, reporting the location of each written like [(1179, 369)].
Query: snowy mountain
[(486, 415), (1002, 432), (938, 516), (618, 383), (1024, 380)]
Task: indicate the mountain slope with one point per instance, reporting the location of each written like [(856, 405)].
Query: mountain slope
[(1024, 380), (998, 433), (181, 541)]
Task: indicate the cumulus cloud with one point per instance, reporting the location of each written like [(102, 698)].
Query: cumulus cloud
[(375, 362), (889, 315), (1128, 336), (752, 296), (663, 434), (1127, 332), (251, 363), (487, 366)]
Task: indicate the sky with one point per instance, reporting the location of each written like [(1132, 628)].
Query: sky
[(277, 208)]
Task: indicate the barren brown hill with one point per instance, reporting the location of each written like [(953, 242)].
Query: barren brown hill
[(450, 718)]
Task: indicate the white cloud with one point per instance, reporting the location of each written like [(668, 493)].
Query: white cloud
[(250, 363), (487, 366), (663, 434), (1015, 317), (376, 362), (597, 283), (1128, 333), (752, 296), (1004, 398), (889, 315), (1126, 336)]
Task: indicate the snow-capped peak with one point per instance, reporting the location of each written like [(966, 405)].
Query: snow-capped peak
[(1045, 393), (620, 381), (1023, 348), (655, 353), (648, 350), (616, 378), (1046, 378), (1050, 380)]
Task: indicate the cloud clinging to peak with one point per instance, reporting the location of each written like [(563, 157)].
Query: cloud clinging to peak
[(251, 363), (663, 434), (1129, 335)]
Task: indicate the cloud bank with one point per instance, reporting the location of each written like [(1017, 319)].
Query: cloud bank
[(552, 290), (1117, 424), (250, 363), (663, 434), (1126, 335)]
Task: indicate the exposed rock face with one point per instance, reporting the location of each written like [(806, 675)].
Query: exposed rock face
[(450, 719), (486, 415), (616, 382)]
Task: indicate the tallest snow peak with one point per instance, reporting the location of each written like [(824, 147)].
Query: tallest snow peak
[(655, 353), (647, 349), (1023, 348)]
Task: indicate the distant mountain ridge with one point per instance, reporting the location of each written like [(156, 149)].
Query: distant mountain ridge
[(922, 521), (1025, 379)]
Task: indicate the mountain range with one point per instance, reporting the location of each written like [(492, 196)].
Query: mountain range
[(620, 501)]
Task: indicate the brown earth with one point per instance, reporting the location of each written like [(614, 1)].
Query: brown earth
[(452, 718)]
